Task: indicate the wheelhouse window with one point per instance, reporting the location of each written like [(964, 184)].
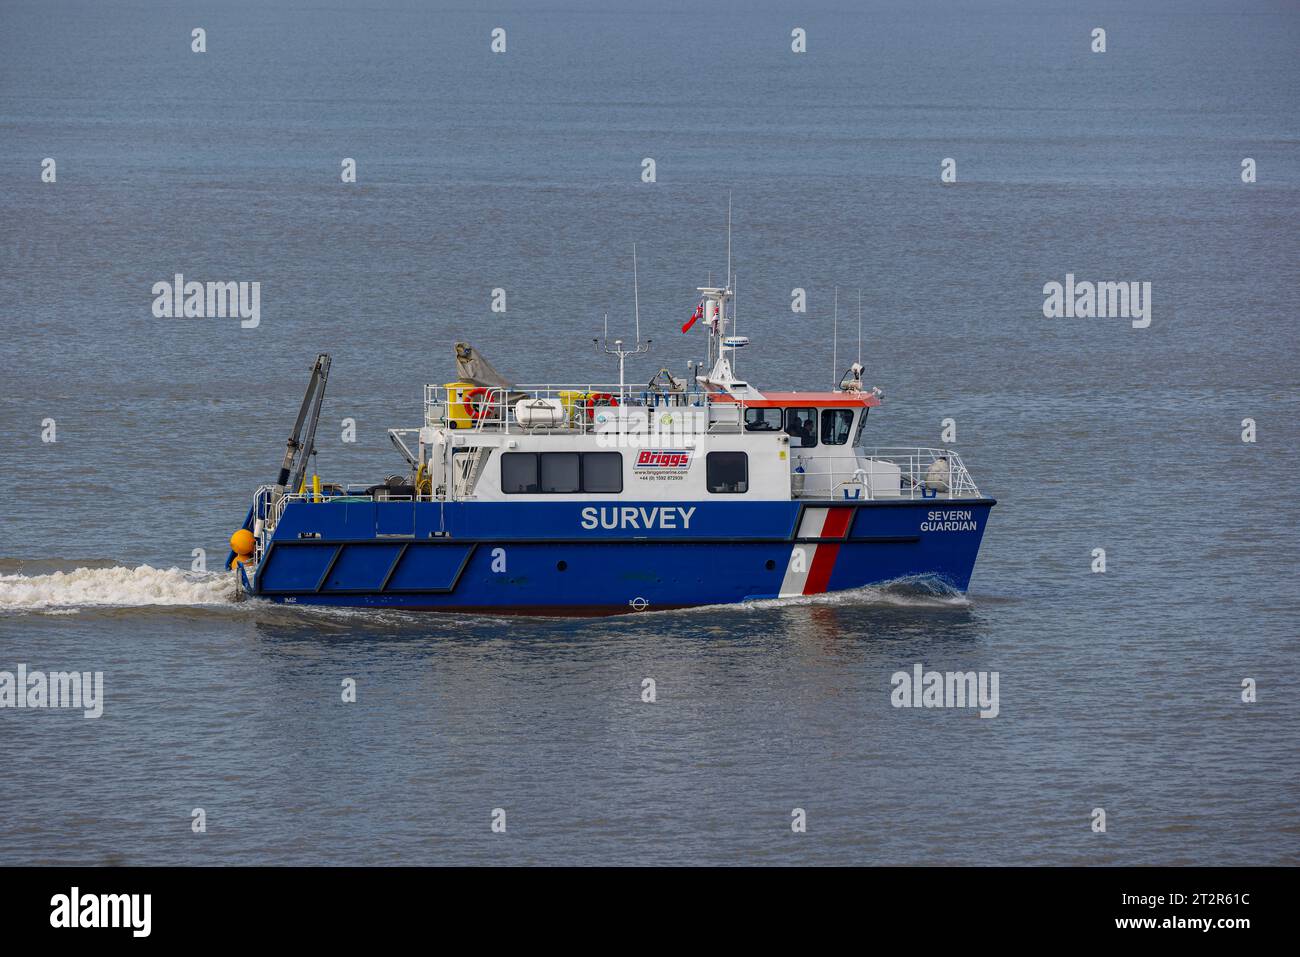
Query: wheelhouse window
[(762, 420), (837, 424), (862, 424), (532, 473), (801, 424), (727, 472), (602, 471)]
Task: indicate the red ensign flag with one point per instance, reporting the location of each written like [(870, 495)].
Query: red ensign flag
[(697, 314)]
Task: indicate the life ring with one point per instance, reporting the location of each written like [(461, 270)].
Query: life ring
[(599, 398), (478, 403)]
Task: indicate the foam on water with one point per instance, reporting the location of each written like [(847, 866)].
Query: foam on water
[(118, 586), (66, 591), (919, 592)]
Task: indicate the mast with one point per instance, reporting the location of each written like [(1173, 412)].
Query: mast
[(717, 315), (735, 313), (716, 318)]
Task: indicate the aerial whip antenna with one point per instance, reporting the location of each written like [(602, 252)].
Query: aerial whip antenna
[(619, 350), (859, 325), (636, 296), (728, 237), (835, 333)]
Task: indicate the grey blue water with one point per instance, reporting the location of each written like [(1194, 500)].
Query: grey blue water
[(522, 170)]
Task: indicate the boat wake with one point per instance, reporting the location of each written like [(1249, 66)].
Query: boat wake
[(55, 587), (97, 585), (917, 592)]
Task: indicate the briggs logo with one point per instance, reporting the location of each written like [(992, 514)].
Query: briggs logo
[(664, 459)]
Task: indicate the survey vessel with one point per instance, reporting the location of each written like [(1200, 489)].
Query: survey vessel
[(593, 498)]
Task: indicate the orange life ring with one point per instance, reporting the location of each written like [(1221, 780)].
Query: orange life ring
[(601, 398), (478, 402)]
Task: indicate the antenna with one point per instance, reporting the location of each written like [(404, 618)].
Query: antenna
[(636, 296), (835, 341), (859, 325), (728, 238), (618, 350)]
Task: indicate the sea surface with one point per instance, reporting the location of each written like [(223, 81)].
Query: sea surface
[(1119, 691)]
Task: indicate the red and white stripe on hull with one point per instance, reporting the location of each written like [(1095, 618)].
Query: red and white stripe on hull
[(809, 568)]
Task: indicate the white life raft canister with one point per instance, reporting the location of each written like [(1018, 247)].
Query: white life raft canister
[(535, 413)]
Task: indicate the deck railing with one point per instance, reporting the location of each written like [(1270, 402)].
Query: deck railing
[(269, 502), (584, 408), (922, 474)]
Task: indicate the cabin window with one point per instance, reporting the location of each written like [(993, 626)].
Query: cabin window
[(802, 426), (762, 420), (602, 471), (727, 472), (519, 473), (559, 471), (531, 473), (836, 425)]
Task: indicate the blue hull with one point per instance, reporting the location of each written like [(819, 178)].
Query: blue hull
[(603, 558)]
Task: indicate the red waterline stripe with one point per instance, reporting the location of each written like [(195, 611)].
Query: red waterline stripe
[(819, 576)]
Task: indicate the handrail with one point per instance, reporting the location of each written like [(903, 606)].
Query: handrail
[(494, 409), (923, 474)]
